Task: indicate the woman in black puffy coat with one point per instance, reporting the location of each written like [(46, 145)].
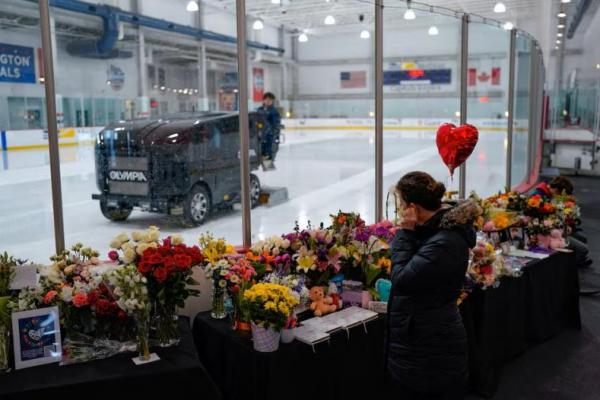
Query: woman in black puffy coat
[(426, 343)]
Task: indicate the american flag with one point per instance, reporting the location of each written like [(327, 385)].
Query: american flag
[(353, 80)]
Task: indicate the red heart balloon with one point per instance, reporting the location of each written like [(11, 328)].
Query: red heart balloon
[(455, 144)]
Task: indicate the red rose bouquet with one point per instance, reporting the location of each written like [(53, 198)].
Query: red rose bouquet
[(168, 269)]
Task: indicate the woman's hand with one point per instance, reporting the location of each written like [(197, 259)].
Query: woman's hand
[(409, 218)]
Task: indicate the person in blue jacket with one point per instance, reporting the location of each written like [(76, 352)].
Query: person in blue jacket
[(426, 349), (272, 125)]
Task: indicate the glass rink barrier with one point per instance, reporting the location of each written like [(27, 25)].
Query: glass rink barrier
[(118, 117)]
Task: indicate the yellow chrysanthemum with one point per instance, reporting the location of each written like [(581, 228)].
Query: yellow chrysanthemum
[(270, 306)]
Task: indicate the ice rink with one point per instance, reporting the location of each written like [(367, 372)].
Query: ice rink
[(323, 171)]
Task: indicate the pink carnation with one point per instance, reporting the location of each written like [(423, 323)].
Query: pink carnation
[(113, 255)]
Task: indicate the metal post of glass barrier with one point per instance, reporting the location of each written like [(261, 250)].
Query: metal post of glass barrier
[(511, 107), (532, 107), (244, 121), (378, 110), (535, 111), (59, 231), (464, 61)]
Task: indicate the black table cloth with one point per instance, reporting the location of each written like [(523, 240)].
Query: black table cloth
[(501, 323), (178, 373), (344, 368)]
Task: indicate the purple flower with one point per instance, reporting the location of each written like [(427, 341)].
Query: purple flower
[(382, 232), (361, 235)]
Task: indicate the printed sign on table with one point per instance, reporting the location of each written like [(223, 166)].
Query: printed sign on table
[(17, 64)]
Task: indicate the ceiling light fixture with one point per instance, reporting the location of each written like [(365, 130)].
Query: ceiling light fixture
[(558, 42), (561, 14), (192, 6), (275, 1), (508, 26), (561, 26), (365, 34), (499, 7), (565, 1), (433, 31), (303, 38), (409, 14), (258, 25), (559, 34), (329, 20)]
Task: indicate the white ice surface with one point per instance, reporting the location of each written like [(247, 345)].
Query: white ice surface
[(323, 171)]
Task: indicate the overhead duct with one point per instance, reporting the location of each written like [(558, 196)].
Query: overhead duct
[(111, 16), (580, 10), (104, 47)]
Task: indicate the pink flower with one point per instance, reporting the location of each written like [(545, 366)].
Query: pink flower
[(113, 255), (80, 300), (489, 226)]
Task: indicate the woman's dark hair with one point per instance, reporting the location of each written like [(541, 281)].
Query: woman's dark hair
[(562, 184), (269, 95), (420, 188)]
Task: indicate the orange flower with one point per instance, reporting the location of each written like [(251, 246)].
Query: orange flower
[(501, 221), (548, 208), (341, 219), (250, 256), (268, 260), (534, 201)]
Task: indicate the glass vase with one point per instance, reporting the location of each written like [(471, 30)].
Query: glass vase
[(218, 303), (143, 338), (165, 325)]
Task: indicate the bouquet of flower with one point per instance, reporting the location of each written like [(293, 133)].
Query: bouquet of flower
[(234, 275), (368, 256), (498, 219), (483, 268), (122, 292), (270, 305), (344, 224), (511, 201), (215, 249), (272, 254), (542, 226), (128, 249), (567, 210), (70, 284), (318, 256), (168, 270), (538, 207), (294, 282), (8, 264)]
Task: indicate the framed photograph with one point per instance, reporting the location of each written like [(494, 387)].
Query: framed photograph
[(36, 337), (517, 237)]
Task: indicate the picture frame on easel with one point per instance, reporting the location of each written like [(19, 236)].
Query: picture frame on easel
[(36, 337)]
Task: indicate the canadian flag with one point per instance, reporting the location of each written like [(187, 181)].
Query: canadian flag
[(483, 77)]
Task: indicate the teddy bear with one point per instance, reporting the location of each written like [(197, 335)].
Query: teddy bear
[(321, 304)]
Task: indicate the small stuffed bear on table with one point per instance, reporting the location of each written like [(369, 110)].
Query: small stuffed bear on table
[(321, 304)]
